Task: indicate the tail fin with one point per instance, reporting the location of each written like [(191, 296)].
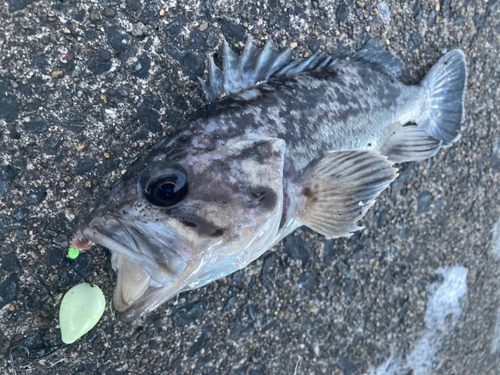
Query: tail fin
[(445, 87)]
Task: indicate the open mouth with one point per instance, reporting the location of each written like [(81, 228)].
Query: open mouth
[(118, 239), (145, 267)]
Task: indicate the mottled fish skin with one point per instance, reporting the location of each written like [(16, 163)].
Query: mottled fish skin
[(345, 107), (245, 157)]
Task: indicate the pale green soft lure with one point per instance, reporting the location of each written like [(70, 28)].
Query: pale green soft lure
[(81, 309)]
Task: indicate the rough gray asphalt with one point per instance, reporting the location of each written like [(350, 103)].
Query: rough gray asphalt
[(86, 86)]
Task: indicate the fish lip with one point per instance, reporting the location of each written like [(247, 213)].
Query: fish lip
[(152, 298), (138, 307), (133, 312), (105, 238), (125, 316), (92, 233), (103, 230)]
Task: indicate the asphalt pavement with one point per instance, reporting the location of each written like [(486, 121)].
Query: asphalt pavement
[(88, 86)]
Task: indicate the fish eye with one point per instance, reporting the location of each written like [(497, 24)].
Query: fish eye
[(167, 187)]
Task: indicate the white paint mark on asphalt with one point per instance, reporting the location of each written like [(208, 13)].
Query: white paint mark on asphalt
[(495, 243), (444, 301)]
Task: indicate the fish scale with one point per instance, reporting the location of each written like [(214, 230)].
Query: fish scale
[(327, 110)]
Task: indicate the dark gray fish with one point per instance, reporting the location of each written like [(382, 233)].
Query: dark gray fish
[(280, 144)]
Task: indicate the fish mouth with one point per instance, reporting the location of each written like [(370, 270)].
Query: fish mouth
[(146, 266), (135, 293)]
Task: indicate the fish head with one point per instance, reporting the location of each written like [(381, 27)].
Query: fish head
[(176, 225)]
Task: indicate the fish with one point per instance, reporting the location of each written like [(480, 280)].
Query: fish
[(281, 143)]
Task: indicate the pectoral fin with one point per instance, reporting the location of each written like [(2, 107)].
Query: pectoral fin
[(339, 188)]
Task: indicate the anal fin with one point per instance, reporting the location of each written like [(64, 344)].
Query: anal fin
[(338, 189), (410, 143)]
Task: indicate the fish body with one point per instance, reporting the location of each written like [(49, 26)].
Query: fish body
[(281, 143)]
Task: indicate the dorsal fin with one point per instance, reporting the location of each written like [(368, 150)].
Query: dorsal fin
[(254, 66), (258, 65), (380, 60)]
